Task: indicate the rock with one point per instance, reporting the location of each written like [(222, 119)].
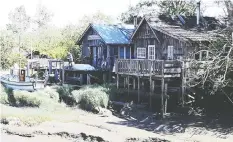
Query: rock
[(103, 111)]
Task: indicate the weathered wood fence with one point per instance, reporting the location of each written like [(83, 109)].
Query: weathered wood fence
[(147, 67)]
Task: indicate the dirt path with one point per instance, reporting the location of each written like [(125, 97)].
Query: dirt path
[(91, 127)]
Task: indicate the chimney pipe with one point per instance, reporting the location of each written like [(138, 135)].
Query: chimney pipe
[(135, 21), (198, 13)]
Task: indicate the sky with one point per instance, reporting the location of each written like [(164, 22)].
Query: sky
[(70, 11)]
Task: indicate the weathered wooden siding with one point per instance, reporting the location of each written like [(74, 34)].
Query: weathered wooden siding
[(147, 36), (89, 43), (180, 48)]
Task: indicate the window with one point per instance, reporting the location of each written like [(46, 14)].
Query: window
[(141, 52), (170, 53), (122, 53), (202, 55), (127, 52), (151, 52)]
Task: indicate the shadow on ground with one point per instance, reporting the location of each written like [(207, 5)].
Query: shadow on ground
[(174, 123)]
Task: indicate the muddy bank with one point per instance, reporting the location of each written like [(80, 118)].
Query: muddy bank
[(11, 133)]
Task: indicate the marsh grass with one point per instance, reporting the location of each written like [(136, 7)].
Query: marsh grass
[(35, 116), (90, 97)]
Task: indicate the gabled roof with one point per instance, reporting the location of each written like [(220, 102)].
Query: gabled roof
[(111, 34), (178, 32), (183, 34)]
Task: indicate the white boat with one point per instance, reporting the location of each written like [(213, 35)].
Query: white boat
[(12, 82)]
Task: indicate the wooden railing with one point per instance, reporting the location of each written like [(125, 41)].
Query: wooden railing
[(147, 67)]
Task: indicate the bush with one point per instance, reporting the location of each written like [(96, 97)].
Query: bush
[(90, 97), (3, 96), (65, 95), (49, 93), (24, 98)]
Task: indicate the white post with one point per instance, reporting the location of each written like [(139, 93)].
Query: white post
[(124, 52)]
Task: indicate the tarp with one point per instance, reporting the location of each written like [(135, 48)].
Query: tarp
[(82, 67)]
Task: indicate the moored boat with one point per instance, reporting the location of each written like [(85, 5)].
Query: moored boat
[(13, 82)]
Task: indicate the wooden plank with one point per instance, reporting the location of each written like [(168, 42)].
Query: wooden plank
[(138, 89), (117, 81), (151, 86), (128, 84), (134, 85), (165, 92), (162, 93), (183, 84)]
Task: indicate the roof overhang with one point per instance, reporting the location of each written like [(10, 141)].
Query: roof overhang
[(83, 34), (135, 31)]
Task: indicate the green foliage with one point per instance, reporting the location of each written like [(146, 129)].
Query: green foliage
[(186, 8), (24, 98), (90, 97), (46, 99), (65, 95), (47, 39), (50, 93), (153, 8), (3, 96)]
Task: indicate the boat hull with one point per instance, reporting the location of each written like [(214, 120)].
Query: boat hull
[(27, 86)]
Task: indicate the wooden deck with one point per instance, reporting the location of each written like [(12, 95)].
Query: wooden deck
[(145, 67)]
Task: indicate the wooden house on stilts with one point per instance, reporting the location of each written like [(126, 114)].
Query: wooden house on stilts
[(149, 59)]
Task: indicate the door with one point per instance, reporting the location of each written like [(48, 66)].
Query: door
[(151, 52)]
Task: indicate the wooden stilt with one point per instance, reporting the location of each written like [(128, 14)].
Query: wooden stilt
[(162, 91), (162, 97), (63, 73), (183, 80), (81, 79), (151, 86), (128, 83), (165, 93), (134, 85), (104, 77), (138, 89), (153, 90), (117, 81), (88, 79), (124, 82), (109, 77)]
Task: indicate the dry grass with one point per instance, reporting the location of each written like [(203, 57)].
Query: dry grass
[(34, 116)]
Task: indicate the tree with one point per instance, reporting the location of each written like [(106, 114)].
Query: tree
[(20, 21), (43, 17), (186, 8), (97, 18), (216, 75), (167, 7)]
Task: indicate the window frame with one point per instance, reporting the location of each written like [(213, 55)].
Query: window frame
[(149, 55), (140, 54), (171, 52)]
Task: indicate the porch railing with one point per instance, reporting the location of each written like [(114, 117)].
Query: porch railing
[(147, 67)]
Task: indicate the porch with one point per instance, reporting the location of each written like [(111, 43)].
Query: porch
[(149, 68)]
